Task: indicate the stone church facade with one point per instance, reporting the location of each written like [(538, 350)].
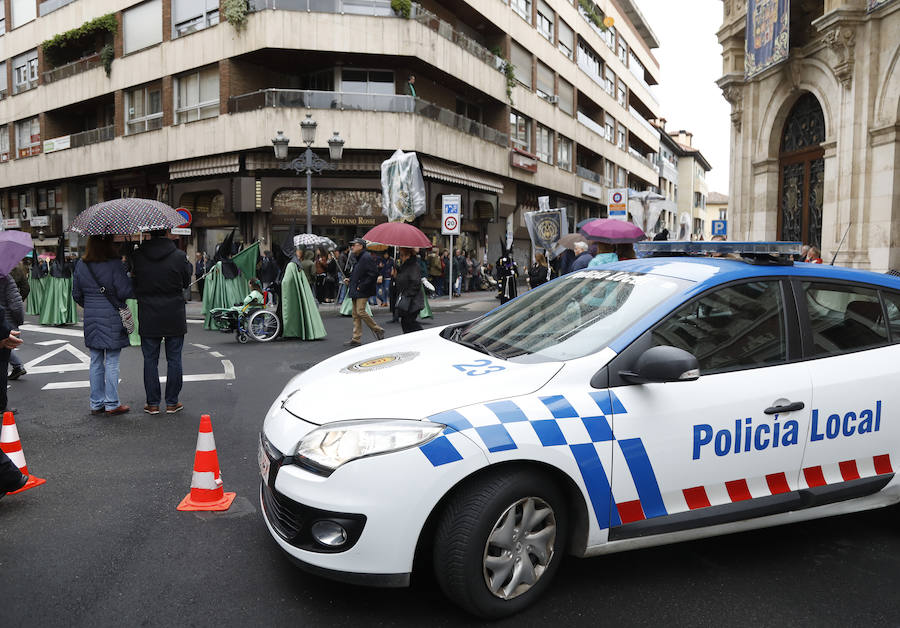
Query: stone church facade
[(815, 140)]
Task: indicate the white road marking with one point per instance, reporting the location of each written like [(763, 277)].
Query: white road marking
[(199, 346), (59, 331), (227, 367), (48, 343), (216, 354), (195, 321), (83, 364)]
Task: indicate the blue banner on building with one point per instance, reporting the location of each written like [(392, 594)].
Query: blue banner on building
[(871, 5), (768, 28)]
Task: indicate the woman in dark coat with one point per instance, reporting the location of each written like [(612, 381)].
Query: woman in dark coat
[(539, 272), (410, 300), (104, 333)]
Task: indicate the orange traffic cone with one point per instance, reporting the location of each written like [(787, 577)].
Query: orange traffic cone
[(12, 447), (206, 482)]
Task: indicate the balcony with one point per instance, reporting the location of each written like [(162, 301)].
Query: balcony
[(356, 7), (343, 101), (596, 127), (77, 140), (644, 122), (590, 175), (71, 69), (641, 158), (444, 29)]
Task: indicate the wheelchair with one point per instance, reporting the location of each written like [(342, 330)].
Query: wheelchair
[(247, 321)]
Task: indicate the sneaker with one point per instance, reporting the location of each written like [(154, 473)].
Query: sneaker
[(151, 409), (120, 410), (379, 334), (173, 409), (17, 372), (352, 343)]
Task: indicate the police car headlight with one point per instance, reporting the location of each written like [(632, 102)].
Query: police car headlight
[(330, 446)]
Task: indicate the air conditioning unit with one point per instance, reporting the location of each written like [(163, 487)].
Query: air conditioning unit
[(553, 99)]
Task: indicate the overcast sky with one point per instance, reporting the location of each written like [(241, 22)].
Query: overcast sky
[(690, 59)]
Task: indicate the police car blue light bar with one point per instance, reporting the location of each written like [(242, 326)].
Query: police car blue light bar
[(723, 246)]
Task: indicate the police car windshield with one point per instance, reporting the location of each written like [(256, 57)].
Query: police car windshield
[(576, 315)]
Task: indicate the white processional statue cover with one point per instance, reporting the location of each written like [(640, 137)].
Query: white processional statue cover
[(402, 187)]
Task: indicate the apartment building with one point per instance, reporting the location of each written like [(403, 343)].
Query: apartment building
[(166, 99), (692, 169)]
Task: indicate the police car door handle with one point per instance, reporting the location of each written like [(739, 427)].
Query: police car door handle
[(789, 407)]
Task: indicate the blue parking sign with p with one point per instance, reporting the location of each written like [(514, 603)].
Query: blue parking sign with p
[(719, 227)]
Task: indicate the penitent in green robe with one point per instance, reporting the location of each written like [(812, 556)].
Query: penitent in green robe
[(35, 295), (58, 305), (425, 312), (220, 292), (298, 307)]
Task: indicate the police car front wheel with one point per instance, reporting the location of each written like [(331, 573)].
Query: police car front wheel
[(499, 542)]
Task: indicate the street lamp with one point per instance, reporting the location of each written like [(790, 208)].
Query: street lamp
[(309, 161)]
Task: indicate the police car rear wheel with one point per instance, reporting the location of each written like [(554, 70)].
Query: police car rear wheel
[(500, 541)]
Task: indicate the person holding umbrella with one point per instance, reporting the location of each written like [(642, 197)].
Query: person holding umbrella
[(410, 297), (100, 286)]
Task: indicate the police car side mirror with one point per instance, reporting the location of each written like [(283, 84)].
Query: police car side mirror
[(663, 364)]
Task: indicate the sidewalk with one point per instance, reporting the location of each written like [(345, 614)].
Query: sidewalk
[(438, 304)]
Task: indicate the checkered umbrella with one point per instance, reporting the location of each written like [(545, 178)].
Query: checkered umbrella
[(311, 240), (125, 216)]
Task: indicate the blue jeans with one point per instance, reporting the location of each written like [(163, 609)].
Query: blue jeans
[(384, 291), (150, 349), (105, 379)]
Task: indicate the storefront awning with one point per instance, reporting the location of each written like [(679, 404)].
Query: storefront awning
[(349, 163), (204, 166), (434, 169)]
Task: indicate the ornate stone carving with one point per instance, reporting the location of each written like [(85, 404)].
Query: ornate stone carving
[(841, 40), (734, 94)]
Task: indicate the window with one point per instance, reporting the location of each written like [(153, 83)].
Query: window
[(623, 98), (468, 110), (545, 81), (698, 199), (891, 304), (193, 15), (25, 71), (523, 8), (565, 39), (621, 138), (610, 84), (2, 18), (3, 85), (843, 318), (520, 131), (609, 172), (521, 60), (142, 26), (22, 12), (4, 143), (143, 110), (610, 128), (544, 144), (564, 153), (609, 36), (737, 327), (545, 20), (566, 97), (368, 82), (623, 52), (590, 63), (197, 95), (28, 137), (723, 214), (621, 177)]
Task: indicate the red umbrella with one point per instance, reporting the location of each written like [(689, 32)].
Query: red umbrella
[(398, 234), (612, 231)]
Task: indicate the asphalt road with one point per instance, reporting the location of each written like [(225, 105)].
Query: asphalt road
[(101, 544)]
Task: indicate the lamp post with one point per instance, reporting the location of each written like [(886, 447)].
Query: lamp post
[(309, 161)]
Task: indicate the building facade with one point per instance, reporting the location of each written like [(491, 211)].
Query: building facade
[(815, 142), (512, 100), (692, 169)]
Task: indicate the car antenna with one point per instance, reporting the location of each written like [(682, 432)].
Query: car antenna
[(842, 243)]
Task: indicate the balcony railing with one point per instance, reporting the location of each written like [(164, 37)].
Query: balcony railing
[(444, 29), (590, 175), (77, 140), (644, 160), (644, 122), (49, 6), (344, 101), (71, 69), (356, 7), (596, 127)]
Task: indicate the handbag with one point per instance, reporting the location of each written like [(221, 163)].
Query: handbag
[(404, 305), (124, 312)]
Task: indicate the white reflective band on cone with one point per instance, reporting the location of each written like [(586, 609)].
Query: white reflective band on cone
[(205, 479), (18, 457), (10, 434), (205, 441)]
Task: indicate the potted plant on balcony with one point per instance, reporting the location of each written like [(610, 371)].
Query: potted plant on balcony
[(403, 8), (92, 41)]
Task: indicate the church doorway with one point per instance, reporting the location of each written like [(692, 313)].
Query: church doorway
[(801, 170)]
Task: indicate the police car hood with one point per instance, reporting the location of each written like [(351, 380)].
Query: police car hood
[(407, 377)]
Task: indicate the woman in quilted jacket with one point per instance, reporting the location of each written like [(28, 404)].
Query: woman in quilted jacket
[(104, 334)]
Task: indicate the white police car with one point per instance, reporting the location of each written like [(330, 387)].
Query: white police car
[(653, 401)]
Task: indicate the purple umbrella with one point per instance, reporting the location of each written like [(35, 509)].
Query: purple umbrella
[(14, 245), (612, 231)]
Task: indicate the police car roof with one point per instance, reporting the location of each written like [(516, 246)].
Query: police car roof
[(710, 271)]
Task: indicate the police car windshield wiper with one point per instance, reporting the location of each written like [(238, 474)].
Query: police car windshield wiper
[(474, 344)]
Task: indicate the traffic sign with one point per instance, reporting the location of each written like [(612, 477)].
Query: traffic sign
[(184, 213), (450, 214), (719, 227), (618, 203)]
